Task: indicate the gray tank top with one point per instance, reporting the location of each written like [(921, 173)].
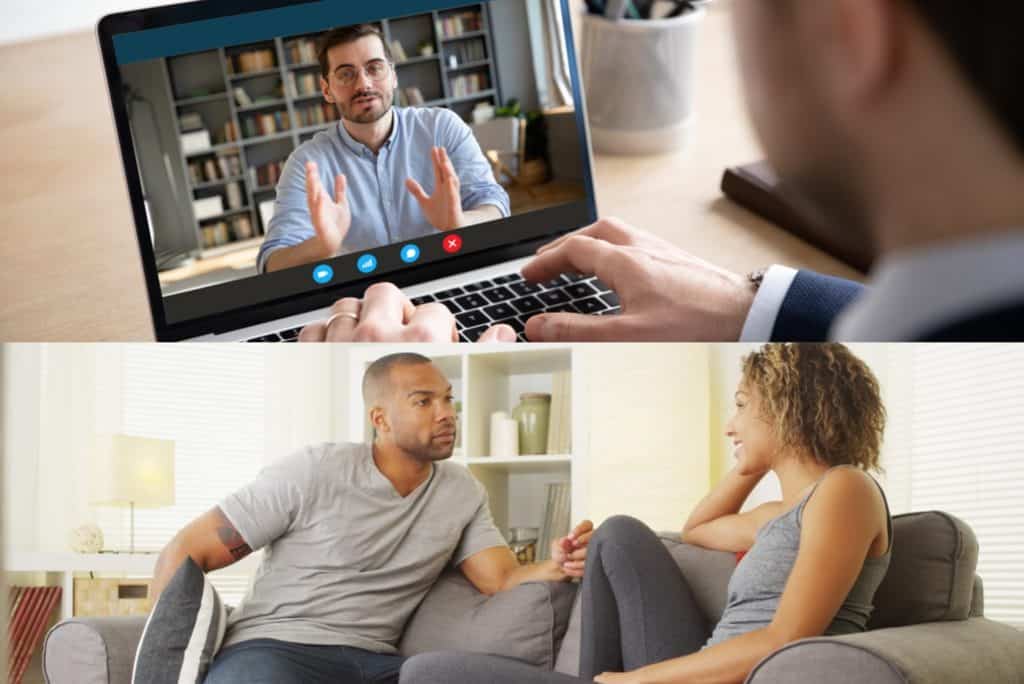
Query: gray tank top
[(757, 583)]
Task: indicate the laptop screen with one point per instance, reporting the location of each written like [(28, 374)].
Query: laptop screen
[(302, 149)]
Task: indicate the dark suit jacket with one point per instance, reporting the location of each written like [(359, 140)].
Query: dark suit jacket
[(814, 301)]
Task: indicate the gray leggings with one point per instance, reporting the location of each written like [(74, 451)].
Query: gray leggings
[(637, 610)]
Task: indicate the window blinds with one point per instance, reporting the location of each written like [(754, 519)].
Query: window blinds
[(964, 422)]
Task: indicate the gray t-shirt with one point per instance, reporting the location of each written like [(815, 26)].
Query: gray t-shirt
[(347, 559)]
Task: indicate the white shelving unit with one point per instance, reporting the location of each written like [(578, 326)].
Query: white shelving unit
[(488, 379)]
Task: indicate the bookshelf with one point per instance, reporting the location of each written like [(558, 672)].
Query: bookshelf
[(485, 381), (260, 101)]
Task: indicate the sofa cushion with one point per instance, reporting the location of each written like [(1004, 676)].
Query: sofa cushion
[(931, 575), (527, 622), (184, 630)]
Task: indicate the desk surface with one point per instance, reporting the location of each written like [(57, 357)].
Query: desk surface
[(72, 270)]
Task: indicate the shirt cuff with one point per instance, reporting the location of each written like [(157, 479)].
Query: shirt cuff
[(767, 304)]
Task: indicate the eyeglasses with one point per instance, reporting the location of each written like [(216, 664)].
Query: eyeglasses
[(377, 70)]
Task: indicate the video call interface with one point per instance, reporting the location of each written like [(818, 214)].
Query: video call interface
[(455, 130)]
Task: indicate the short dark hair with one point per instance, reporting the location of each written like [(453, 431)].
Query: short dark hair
[(984, 39), (343, 36), (378, 371)]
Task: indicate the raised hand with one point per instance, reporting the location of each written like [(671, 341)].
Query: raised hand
[(570, 552), (331, 217), (443, 209)]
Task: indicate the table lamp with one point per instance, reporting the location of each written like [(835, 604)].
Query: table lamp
[(132, 471)]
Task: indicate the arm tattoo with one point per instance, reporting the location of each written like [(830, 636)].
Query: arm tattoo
[(233, 541)]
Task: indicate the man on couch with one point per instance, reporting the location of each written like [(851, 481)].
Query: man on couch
[(355, 536)]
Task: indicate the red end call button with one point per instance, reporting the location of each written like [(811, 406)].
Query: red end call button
[(452, 243)]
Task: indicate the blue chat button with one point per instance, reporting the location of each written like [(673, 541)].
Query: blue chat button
[(323, 274), (410, 253)]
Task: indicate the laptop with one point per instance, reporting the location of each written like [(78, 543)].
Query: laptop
[(212, 99)]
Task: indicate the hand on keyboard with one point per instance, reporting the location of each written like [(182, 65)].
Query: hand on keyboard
[(385, 314), (665, 292)]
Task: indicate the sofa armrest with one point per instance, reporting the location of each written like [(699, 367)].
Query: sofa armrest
[(977, 650), (92, 650)]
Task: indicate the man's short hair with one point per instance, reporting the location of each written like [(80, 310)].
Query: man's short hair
[(378, 372), (343, 36), (984, 39)]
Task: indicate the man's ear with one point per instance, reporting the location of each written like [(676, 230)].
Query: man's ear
[(863, 44), (379, 420), (325, 89)]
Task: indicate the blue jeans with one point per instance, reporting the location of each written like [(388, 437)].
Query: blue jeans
[(269, 661)]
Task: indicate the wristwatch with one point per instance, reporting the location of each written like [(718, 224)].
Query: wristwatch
[(756, 278)]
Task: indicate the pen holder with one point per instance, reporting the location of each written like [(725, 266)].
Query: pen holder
[(638, 77)]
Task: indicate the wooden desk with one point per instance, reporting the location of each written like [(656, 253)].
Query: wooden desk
[(71, 262)]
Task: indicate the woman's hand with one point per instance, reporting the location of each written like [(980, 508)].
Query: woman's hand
[(618, 678)]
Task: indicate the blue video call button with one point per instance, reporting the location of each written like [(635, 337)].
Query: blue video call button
[(367, 263), (410, 254), (323, 274)]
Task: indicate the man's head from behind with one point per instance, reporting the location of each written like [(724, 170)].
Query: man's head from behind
[(411, 406), (857, 100), (356, 72)]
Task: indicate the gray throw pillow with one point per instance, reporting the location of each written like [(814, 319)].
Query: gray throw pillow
[(184, 631), (931, 575), (526, 622)]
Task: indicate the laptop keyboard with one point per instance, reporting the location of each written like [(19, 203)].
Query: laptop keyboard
[(507, 299)]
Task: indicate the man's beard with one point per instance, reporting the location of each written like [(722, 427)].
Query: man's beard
[(433, 450), (349, 113)]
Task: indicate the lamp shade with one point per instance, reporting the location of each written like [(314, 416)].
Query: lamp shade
[(132, 470)]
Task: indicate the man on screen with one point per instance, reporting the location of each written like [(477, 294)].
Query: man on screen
[(394, 174)]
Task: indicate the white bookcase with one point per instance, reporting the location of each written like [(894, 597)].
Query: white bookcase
[(487, 379)]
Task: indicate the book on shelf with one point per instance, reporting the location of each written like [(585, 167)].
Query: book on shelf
[(259, 125), (242, 98), (398, 52), (230, 132), (233, 191), (455, 25), (224, 231), (316, 114), (301, 51), (465, 52), (414, 96), (300, 85), (560, 421), (251, 61), (190, 121), (556, 517), (266, 175), (468, 84)]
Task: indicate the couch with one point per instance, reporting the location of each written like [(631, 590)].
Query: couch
[(928, 626)]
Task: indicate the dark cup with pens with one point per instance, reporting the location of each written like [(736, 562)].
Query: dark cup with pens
[(638, 60)]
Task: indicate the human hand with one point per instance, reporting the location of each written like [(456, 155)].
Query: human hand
[(385, 314), (443, 209), (331, 217), (666, 293), (617, 678), (570, 552)]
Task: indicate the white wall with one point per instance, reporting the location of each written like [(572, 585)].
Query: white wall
[(648, 414), (27, 19)]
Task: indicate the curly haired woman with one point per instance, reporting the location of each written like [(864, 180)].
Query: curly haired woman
[(813, 415)]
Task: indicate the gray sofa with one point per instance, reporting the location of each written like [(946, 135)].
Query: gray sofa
[(928, 626)]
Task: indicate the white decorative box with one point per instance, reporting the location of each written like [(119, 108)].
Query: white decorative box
[(208, 207), (196, 141)]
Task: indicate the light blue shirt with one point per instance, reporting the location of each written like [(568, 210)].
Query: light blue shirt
[(384, 212)]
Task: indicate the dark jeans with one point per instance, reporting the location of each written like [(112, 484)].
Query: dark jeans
[(269, 661), (637, 610)]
